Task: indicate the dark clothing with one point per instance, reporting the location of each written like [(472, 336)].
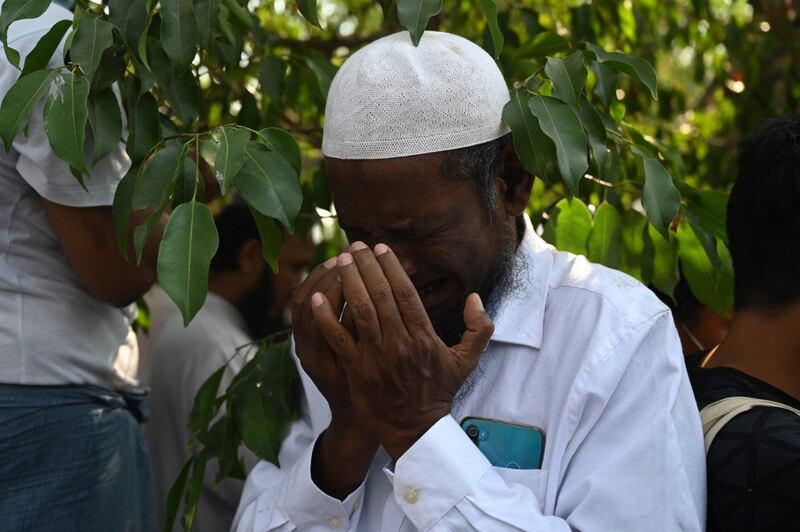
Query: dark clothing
[(73, 458), (754, 463)]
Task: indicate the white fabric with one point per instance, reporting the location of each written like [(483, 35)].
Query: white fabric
[(182, 358), (392, 99), (584, 352), (716, 415), (52, 331)]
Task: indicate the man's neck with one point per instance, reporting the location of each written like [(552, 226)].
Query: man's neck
[(766, 346)]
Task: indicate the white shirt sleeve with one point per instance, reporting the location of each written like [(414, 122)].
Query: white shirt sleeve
[(638, 478), (285, 498)]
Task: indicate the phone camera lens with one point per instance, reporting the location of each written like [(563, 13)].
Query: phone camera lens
[(473, 432)]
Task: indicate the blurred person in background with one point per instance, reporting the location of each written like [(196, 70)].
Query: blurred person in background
[(245, 301), (73, 454), (748, 387)]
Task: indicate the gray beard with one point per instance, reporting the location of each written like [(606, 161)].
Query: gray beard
[(510, 275)]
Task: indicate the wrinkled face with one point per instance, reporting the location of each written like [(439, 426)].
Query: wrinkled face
[(437, 227)]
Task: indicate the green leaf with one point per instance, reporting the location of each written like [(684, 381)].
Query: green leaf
[(605, 241), (561, 124), (535, 149), (414, 15), (542, 45), (605, 86), (92, 36), (183, 94), (40, 56), (660, 198), (122, 207), (386, 6), (189, 184), (632, 231), (282, 142), (269, 184), (194, 490), (206, 14), (596, 132), (132, 19), (20, 100), (308, 8), (239, 14), (143, 131), (712, 286), (324, 70), (176, 494), (189, 243), (489, 9), (158, 179), (271, 238), (270, 76), (259, 421), (178, 32), (231, 143), (708, 209), (66, 112), (633, 66), (106, 122), (205, 402), (568, 76), (572, 225), (665, 273), (12, 11)]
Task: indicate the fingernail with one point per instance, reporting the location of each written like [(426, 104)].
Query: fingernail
[(380, 249), (344, 259), (316, 299), (330, 263), (357, 246), (478, 301)]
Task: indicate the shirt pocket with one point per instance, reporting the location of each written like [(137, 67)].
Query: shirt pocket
[(534, 480)]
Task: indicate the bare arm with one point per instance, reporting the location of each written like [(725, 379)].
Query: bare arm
[(89, 242)]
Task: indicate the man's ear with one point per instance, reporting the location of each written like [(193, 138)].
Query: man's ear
[(250, 259), (517, 181)]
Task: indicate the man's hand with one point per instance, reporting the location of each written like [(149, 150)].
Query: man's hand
[(402, 376), (345, 450)]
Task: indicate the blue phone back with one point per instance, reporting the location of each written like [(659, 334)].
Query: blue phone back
[(506, 444)]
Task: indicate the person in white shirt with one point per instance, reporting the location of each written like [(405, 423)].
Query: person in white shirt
[(245, 301), (453, 308), (73, 455)]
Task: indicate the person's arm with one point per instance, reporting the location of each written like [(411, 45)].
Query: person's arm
[(286, 498), (634, 461), (89, 242)]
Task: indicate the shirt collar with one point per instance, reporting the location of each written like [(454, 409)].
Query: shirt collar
[(520, 315)]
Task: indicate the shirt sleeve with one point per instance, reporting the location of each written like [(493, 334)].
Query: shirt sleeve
[(285, 498), (634, 460), (38, 164)]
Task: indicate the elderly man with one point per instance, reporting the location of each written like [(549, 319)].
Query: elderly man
[(478, 379)]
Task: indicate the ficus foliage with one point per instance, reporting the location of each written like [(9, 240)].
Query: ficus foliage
[(242, 84)]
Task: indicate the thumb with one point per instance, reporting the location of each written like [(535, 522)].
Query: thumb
[(479, 329)]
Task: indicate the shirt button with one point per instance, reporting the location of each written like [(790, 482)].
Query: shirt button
[(412, 496), (334, 522)]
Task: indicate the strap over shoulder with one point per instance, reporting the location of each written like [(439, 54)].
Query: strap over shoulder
[(716, 415)]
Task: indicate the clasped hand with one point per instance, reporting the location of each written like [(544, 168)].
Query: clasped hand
[(382, 368)]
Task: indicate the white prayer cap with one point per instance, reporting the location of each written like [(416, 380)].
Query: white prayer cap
[(392, 99)]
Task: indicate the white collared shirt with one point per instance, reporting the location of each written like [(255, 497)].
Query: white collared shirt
[(585, 353)]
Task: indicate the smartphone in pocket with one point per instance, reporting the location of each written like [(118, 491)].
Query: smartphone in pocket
[(506, 444)]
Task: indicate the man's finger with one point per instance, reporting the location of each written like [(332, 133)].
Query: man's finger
[(338, 338), (405, 293), (358, 300), (479, 331), (308, 286), (378, 287)]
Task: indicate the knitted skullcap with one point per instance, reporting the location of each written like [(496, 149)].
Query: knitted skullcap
[(394, 99)]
